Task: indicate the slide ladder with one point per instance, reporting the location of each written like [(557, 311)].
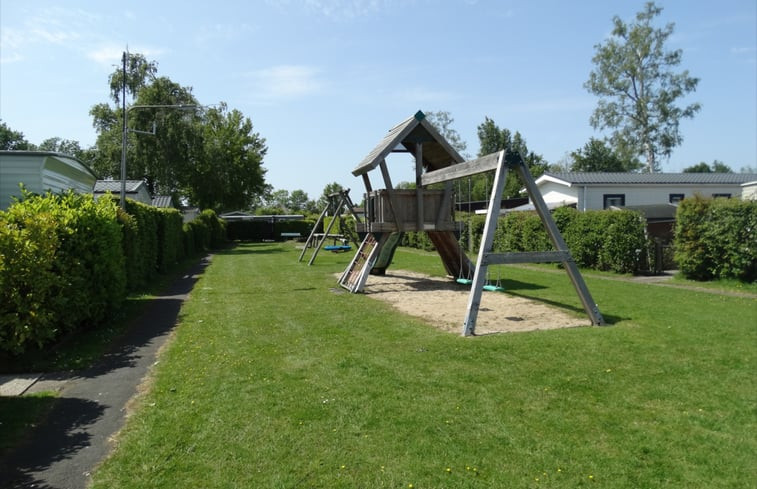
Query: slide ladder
[(356, 273)]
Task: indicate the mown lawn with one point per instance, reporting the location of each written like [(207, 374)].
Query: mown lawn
[(277, 379)]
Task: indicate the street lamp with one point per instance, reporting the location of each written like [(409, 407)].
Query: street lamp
[(126, 129)]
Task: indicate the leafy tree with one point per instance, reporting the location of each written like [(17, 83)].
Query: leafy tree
[(596, 155), (279, 199), (12, 140), (227, 173), (298, 201), (64, 146), (638, 88), (493, 139), (163, 159), (329, 189), (139, 74), (213, 157), (442, 122), (702, 167)]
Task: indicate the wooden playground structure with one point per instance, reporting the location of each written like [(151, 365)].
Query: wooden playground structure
[(390, 212)]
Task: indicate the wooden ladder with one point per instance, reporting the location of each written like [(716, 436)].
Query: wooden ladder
[(356, 273)]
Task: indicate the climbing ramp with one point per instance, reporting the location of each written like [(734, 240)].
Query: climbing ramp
[(356, 273)]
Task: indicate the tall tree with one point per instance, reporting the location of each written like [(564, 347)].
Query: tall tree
[(596, 155), (330, 188), (227, 173), (12, 140), (442, 121), (65, 146), (212, 157), (638, 90), (491, 139)]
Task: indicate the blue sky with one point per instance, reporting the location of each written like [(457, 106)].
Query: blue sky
[(323, 80)]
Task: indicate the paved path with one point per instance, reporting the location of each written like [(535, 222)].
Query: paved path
[(90, 409)]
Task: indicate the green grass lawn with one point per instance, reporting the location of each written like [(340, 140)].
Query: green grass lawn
[(277, 379)]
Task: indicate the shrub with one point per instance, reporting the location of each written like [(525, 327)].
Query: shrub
[(170, 244), (61, 267), (716, 238)]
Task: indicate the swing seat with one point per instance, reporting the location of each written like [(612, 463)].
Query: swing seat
[(337, 248), (464, 281), (494, 288)]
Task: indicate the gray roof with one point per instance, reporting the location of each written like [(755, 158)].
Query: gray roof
[(437, 153), (162, 201), (607, 178), (114, 186)]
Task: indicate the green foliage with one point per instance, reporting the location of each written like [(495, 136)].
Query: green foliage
[(493, 139), (702, 167), (170, 240), (211, 155), (228, 169), (61, 267), (604, 240), (638, 90), (142, 254), (68, 261), (596, 155), (419, 240), (12, 140), (716, 239)]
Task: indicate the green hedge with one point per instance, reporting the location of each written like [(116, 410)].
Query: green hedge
[(603, 240), (61, 267), (716, 239), (67, 262)]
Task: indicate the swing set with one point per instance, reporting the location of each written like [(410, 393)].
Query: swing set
[(390, 212)]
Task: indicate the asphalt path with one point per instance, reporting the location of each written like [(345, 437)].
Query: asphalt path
[(76, 435)]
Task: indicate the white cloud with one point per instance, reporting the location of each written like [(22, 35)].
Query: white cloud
[(286, 81), (336, 9), (109, 55), (746, 54)]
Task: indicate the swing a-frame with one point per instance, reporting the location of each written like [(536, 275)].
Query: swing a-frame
[(501, 162), (389, 212), (337, 203)]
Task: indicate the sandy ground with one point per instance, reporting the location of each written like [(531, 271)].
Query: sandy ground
[(442, 303)]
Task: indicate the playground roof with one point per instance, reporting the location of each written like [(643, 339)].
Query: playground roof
[(437, 153)]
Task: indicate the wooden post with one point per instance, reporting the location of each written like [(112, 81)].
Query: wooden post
[(479, 276), (559, 243), (390, 193), (337, 213), (312, 233), (419, 185)]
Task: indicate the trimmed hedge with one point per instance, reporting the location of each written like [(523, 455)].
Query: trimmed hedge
[(716, 239), (262, 230), (67, 262), (61, 268), (603, 240)]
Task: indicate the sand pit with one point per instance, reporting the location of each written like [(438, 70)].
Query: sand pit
[(442, 303)]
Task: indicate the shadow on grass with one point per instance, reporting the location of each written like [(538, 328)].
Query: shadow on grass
[(609, 318), (64, 434), (252, 248)]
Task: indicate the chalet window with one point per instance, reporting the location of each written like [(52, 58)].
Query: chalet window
[(675, 198), (727, 196), (616, 200)]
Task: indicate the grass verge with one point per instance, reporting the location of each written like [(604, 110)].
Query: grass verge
[(278, 379)]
